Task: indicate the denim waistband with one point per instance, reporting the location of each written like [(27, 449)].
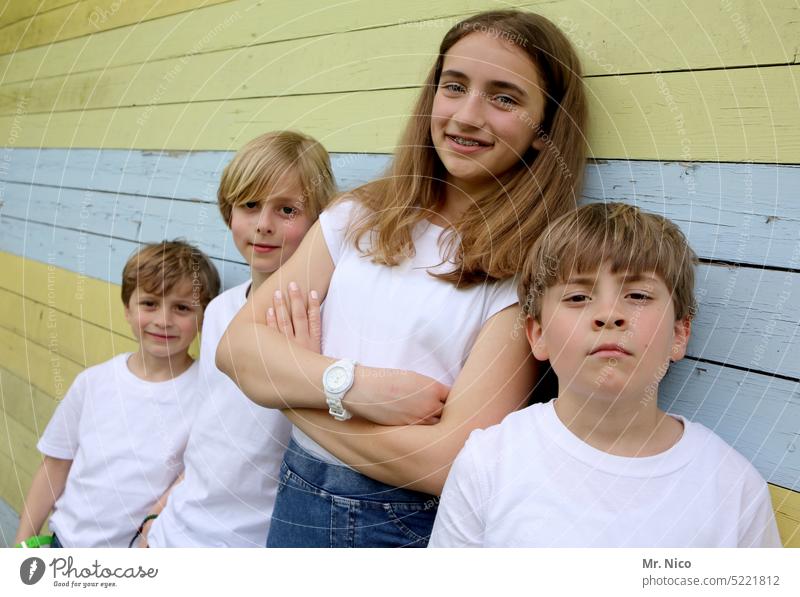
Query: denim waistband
[(345, 482)]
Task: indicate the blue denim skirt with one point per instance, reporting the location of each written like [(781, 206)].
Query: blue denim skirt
[(327, 505)]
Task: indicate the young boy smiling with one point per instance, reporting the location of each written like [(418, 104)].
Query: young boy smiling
[(115, 443), (608, 294)]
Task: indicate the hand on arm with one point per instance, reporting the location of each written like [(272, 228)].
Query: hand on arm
[(274, 371), (496, 380), (47, 486)]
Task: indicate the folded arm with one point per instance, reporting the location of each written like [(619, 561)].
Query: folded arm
[(496, 380)]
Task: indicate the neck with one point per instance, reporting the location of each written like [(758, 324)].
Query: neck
[(150, 368), (619, 425), (258, 278), (458, 198)]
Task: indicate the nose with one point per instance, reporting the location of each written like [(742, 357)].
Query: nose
[(265, 223), (470, 112), (164, 317), (610, 315)]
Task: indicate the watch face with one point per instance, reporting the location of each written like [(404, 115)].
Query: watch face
[(336, 379)]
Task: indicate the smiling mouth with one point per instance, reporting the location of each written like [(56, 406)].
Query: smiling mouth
[(161, 336), (468, 141)]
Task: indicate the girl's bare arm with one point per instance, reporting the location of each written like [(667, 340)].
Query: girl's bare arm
[(275, 372), (496, 380)]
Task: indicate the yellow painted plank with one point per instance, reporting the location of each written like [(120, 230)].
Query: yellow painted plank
[(14, 483), (24, 403), (87, 17), (387, 57), (75, 338), (611, 36), (46, 370), (18, 444), (736, 116), (787, 512), (14, 11), (88, 299)]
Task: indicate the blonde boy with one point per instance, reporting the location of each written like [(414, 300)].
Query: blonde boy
[(608, 294), (269, 195), (116, 441)]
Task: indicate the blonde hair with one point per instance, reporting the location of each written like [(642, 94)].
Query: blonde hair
[(158, 267), (257, 167), (623, 236), (490, 240)]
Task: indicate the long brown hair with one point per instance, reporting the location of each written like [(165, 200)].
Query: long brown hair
[(491, 239)]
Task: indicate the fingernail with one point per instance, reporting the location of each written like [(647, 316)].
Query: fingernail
[(314, 295), (277, 295), (271, 312), (293, 287)]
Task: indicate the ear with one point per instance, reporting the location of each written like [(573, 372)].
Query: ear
[(533, 331), (538, 143), (681, 333)]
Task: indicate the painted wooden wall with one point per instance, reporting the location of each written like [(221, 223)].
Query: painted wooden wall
[(117, 117)]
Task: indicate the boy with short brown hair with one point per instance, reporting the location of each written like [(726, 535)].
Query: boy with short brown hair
[(115, 443), (608, 292)]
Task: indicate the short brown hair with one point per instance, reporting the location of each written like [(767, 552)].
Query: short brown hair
[(257, 166), (623, 236), (158, 267)]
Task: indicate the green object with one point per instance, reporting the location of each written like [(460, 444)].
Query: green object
[(36, 541)]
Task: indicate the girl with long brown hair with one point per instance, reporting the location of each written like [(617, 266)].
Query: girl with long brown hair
[(421, 334)]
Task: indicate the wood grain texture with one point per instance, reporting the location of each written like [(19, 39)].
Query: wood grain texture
[(611, 37), (742, 115), (86, 17), (787, 513)]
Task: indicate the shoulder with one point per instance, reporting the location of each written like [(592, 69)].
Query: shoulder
[(512, 432), (720, 459), (231, 300)]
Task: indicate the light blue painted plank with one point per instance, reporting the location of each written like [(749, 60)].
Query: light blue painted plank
[(757, 415), (91, 255), (180, 175), (743, 213)]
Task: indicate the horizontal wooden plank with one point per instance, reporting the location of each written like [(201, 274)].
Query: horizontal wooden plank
[(18, 444), (87, 17), (787, 513), (14, 483), (28, 405), (191, 175), (756, 414), (77, 339), (377, 58), (746, 116), (744, 213), (42, 366), (12, 12), (611, 37)]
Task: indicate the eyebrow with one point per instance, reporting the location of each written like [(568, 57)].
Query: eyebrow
[(503, 85), (626, 278)]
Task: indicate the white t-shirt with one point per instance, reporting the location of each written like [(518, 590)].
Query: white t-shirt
[(232, 459), (126, 438), (399, 317), (530, 482)]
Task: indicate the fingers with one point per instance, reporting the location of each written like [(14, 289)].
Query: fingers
[(298, 310), (272, 320), (314, 318), (284, 321)]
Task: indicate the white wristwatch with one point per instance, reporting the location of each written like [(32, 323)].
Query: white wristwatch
[(336, 381)]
